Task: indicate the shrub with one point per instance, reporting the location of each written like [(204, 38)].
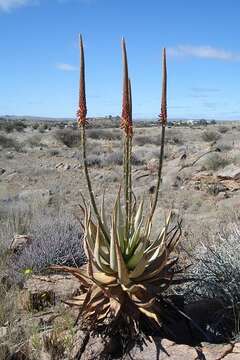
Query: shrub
[(103, 134), (35, 126), (19, 125), (216, 268), (215, 161), (114, 158), (68, 137), (223, 129), (55, 240), (10, 125), (7, 142), (142, 140), (53, 152), (34, 140), (209, 136)]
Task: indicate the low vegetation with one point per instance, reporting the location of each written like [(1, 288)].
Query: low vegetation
[(210, 136)]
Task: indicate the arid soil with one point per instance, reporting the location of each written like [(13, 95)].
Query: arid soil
[(40, 169)]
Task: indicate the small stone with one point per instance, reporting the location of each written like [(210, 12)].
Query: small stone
[(66, 167), (19, 242), (3, 332), (2, 171), (152, 165)]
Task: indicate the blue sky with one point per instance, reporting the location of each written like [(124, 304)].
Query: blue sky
[(40, 56)]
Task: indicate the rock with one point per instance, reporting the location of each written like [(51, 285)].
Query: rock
[(2, 171), (42, 291), (44, 355), (232, 356), (213, 351), (3, 333), (66, 167), (231, 172), (152, 165), (79, 343), (222, 195), (95, 349), (19, 242), (163, 350), (38, 196)]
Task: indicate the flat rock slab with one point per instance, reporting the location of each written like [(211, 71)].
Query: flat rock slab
[(159, 349), (166, 349), (41, 291), (163, 350), (229, 172)]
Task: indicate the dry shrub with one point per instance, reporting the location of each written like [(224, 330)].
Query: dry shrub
[(216, 161), (223, 129), (10, 125), (68, 137), (7, 142), (142, 140), (209, 135), (34, 140), (216, 267), (110, 159), (104, 134), (56, 240)]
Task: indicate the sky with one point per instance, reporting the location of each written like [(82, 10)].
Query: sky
[(39, 59)]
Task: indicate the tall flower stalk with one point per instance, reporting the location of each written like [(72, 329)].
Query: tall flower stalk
[(126, 125), (82, 121), (128, 269), (163, 122)]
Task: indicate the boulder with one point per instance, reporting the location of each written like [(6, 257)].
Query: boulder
[(231, 172)]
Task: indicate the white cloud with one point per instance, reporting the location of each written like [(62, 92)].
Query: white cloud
[(206, 52), (66, 67), (7, 5)]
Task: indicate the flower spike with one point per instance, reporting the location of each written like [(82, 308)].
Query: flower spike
[(163, 114), (126, 121), (82, 109)]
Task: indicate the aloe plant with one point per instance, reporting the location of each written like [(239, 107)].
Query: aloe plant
[(128, 269)]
